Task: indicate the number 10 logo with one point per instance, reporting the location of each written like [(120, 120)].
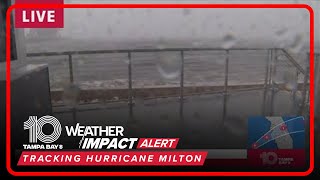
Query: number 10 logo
[(35, 129)]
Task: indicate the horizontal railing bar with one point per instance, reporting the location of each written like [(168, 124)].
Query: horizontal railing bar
[(133, 50), (66, 109)]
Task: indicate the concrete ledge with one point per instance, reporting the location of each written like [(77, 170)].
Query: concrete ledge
[(110, 95)]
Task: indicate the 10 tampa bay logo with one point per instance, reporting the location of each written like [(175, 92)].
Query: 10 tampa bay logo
[(36, 134)]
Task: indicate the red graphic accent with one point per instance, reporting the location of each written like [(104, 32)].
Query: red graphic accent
[(219, 6), (112, 158), (283, 127), (266, 137), (254, 145), (157, 143), (39, 17)]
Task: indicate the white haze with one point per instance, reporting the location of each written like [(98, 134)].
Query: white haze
[(250, 27)]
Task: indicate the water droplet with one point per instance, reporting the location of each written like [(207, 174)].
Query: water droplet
[(228, 41), (235, 125), (282, 58), (126, 60), (160, 46), (193, 32), (89, 12), (281, 32), (139, 102), (196, 115), (186, 11), (37, 104), (120, 11), (164, 117), (168, 65), (253, 26), (290, 81), (196, 44), (149, 11), (70, 95), (297, 43), (220, 62), (298, 97), (115, 98), (109, 31), (80, 62)]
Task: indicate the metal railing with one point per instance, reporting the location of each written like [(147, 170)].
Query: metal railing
[(269, 83)]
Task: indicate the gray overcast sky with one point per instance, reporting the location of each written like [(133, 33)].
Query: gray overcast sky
[(250, 27)]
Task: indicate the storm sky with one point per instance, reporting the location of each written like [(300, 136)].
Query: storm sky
[(288, 28)]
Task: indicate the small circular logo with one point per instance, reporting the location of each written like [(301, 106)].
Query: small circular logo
[(269, 158), (35, 126)]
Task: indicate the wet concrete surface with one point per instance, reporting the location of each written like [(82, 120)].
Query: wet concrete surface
[(202, 121)]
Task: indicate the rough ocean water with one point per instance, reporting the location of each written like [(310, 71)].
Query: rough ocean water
[(161, 69)]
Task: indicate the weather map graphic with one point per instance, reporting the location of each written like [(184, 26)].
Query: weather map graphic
[(276, 133), (276, 142)]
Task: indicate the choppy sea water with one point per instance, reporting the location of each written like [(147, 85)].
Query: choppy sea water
[(158, 69)]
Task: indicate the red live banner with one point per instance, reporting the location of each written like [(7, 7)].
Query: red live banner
[(39, 17), (112, 158)]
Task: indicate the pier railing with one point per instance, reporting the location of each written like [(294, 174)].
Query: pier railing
[(272, 67)]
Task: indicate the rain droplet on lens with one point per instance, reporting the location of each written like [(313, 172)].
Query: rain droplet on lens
[(253, 26), (196, 44), (196, 115), (290, 81), (109, 31), (193, 32), (70, 95), (126, 60), (186, 11), (160, 46), (229, 41), (120, 11), (297, 44), (281, 57), (139, 101), (115, 98), (148, 10), (164, 117), (89, 12), (220, 62), (80, 62), (281, 32), (168, 65)]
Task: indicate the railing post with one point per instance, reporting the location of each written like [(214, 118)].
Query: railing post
[(181, 100), (130, 94), (294, 92), (305, 84), (70, 68), (266, 82), (74, 111), (225, 94), (272, 78)]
